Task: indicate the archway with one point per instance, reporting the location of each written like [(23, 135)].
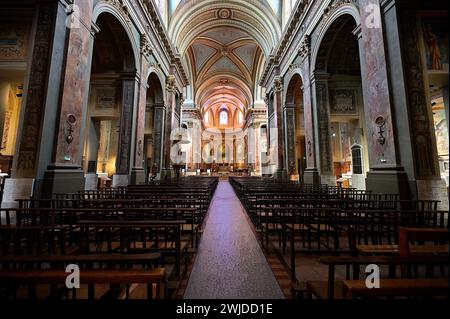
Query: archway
[(295, 132), (111, 100), (153, 128), (340, 106), (15, 64)]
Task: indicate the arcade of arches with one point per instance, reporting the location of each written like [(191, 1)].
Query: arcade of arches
[(120, 92)]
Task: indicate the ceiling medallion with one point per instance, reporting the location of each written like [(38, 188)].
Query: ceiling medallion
[(224, 51), (224, 13)]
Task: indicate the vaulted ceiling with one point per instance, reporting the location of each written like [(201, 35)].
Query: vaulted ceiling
[(224, 45), (223, 62)]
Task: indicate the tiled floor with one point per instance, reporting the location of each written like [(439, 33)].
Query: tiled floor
[(230, 263)]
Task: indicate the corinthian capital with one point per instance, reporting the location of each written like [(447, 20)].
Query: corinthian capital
[(171, 85), (278, 84)]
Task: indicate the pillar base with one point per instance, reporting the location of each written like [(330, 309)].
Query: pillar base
[(311, 176), (388, 180), (137, 176), (59, 181), (119, 180)]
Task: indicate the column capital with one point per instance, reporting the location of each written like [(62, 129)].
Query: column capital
[(171, 83), (278, 84)]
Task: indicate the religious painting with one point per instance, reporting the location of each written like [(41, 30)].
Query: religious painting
[(435, 35)]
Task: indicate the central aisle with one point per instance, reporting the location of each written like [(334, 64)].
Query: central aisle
[(230, 263)]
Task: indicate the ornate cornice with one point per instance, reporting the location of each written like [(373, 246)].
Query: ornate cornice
[(288, 35), (161, 32)]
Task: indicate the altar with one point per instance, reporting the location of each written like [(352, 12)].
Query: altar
[(224, 170)]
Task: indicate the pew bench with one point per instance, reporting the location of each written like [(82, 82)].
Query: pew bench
[(154, 237), (57, 278), (397, 288), (333, 289)]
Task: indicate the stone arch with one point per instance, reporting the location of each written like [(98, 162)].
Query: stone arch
[(288, 82), (104, 7), (157, 73), (329, 29)]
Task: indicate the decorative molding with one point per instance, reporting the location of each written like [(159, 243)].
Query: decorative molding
[(294, 66), (155, 21), (334, 6), (122, 7), (171, 84), (305, 47), (278, 84), (224, 13), (155, 65), (146, 48), (288, 36)]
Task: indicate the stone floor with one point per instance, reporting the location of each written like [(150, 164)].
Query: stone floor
[(230, 263)]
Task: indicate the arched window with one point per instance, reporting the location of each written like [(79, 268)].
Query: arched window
[(357, 159), (223, 118), (207, 118)]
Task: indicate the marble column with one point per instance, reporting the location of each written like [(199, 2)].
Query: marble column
[(322, 130), (158, 132), (137, 171), (417, 150), (257, 148), (290, 136), (124, 156), (64, 172), (190, 149), (311, 175), (168, 171), (281, 171), (252, 155), (445, 94), (26, 161), (386, 174)]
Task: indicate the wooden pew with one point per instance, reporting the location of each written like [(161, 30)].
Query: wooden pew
[(406, 235), (333, 288), (114, 277), (397, 288), (163, 237)]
